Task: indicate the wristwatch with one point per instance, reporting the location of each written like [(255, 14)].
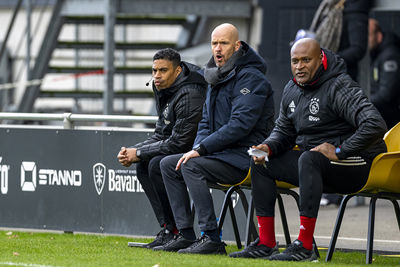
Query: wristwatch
[(338, 150), (138, 152)]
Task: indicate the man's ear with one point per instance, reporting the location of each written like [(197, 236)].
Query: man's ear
[(237, 45), (178, 70)]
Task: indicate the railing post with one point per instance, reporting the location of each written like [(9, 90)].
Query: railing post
[(67, 122)]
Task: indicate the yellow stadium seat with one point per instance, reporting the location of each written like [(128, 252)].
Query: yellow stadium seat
[(383, 183)]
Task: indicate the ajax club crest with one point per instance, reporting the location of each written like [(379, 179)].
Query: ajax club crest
[(99, 176), (314, 106)]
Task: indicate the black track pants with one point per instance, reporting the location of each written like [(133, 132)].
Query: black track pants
[(149, 176), (312, 172)]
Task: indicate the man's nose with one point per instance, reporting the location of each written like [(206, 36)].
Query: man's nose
[(299, 65)]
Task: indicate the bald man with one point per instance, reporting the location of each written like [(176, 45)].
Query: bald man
[(238, 112), (339, 132)]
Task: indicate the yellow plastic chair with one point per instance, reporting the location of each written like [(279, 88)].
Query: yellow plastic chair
[(383, 183)]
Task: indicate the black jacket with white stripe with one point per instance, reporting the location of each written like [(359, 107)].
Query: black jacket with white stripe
[(333, 109)]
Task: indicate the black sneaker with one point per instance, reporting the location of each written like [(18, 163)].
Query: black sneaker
[(162, 238), (256, 251), (204, 245), (175, 244), (295, 252)]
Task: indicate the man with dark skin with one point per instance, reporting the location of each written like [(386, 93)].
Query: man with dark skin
[(338, 132), (179, 92)]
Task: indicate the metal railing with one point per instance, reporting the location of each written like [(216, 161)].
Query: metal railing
[(69, 119)]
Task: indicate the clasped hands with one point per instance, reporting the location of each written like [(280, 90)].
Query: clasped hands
[(127, 156)]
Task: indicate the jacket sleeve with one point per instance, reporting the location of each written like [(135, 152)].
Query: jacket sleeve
[(245, 112), (203, 129), (283, 136), (389, 81), (188, 114), (357, 29), (350, 102), (153, 138)]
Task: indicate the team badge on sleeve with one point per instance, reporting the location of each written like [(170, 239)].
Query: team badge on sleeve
[(390, 66)]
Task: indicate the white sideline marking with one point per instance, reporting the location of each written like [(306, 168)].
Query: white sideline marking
[(350, 239), (24, 264)]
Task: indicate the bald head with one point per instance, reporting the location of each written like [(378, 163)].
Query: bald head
[(305, 57), (224, 42), (226, 29), (309, 44)]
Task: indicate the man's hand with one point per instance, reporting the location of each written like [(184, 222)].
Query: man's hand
[(127, 156), (186, 157), (327, 150), (261, 160)]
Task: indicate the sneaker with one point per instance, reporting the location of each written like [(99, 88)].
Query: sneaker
[(162, 238), (256, 251), (175, 244), (204, 245), (295, 252)]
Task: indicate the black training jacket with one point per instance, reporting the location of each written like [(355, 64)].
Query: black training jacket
[(179, 110), (334, 110)]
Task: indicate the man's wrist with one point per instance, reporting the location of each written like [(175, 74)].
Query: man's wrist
[(138, 153), (339, 153), (200, 149), (268, 149)]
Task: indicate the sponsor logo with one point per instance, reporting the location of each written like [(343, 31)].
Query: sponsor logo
[(28, 170), (312, 118), (302, 227), (118, 180), (99, 176), (244, 91), (4, 177), (292, 106), (60, 177), (47, 177)]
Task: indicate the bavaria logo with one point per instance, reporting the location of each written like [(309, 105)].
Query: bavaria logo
[(99, 176)]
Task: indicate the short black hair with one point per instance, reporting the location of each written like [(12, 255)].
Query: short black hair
[(168, 54)]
